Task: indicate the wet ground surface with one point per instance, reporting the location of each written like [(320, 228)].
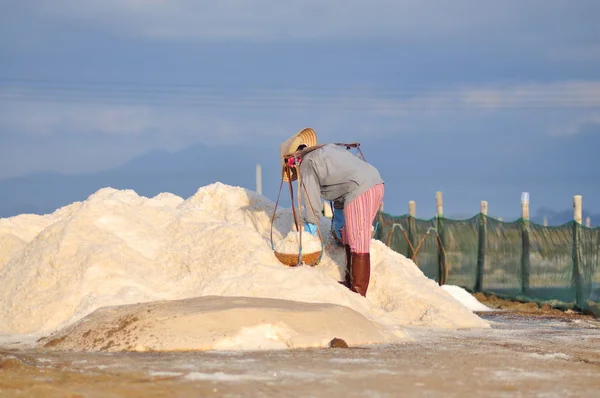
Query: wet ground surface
[(521, 356)]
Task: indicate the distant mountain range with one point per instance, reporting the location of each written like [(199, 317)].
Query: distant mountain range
[(414, 174), (180, 173)]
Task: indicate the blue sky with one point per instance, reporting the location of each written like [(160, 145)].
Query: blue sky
[(479, 99)]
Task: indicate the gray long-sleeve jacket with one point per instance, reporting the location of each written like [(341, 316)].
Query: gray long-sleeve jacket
[(335, 174)]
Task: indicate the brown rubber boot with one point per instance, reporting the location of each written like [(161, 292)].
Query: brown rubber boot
[(361, 272), (347, 279)]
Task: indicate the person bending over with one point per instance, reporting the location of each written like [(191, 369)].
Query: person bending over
[(356, 188)]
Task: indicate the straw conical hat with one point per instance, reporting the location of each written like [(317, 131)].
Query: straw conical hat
[(307, 137)]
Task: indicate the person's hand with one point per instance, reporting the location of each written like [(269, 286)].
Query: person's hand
[(310, 228), (338, 222)]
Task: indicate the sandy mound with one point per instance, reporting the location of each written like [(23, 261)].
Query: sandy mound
[(215, 323), (118, 248)]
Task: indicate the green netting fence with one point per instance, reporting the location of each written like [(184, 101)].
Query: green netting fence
[(518, 260)]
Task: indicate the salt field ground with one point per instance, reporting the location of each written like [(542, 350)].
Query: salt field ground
[(522, 355)]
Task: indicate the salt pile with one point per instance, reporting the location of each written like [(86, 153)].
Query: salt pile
[(117, 248), (217, 323), (466, 298), (291, 243)]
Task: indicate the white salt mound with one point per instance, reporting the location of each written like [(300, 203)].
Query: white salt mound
[(465, 298), (118, 248), (215, 323), (291, 243)]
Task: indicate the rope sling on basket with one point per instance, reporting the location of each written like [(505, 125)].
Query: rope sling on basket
[(298, 259), (293, 259)]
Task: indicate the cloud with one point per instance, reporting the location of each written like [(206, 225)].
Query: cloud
[(45, 118), (430, 140), (405, 20), (586, 124), (170, 117), (578, 94), (174, 123), (176, 118), (121, 99), (257, 19)]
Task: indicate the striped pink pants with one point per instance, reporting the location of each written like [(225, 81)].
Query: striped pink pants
[(359, 215)]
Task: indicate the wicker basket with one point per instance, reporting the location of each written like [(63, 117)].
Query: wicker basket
[(292, 259)]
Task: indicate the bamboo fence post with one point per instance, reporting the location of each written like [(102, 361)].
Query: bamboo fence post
[(259, 179), (525, 244), (439, 205), (525, 206), (545, 221), (577, 208), (412, 228), (412, 208), (577, 271), (588, 222), (481, 246)]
